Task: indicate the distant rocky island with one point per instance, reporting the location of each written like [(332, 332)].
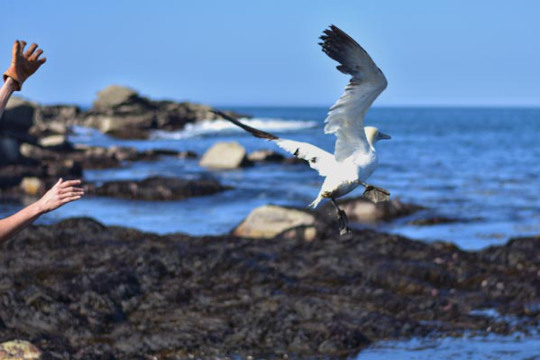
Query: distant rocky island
[(118, 111)]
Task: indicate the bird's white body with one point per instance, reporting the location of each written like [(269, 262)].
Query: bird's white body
[(355, 157), (341, 177), (347, 175)]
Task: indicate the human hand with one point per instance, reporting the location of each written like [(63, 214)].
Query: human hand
[(23, 64), (61, 193)]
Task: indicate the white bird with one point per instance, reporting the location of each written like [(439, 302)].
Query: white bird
[(355, 157)]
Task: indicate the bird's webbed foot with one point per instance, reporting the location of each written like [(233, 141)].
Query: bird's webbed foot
[(375, 194), (343, 223)]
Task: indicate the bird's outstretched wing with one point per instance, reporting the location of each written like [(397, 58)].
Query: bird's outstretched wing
[(346, 117), (318, 159)]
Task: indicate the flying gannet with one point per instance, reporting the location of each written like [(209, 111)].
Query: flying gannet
[(355, 157)]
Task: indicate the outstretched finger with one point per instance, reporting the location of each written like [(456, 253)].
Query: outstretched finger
[(35, 55), (70, 194), (16, 49), (30, 50), (22, 44), (70, 183), (69, 199), (42, 61)]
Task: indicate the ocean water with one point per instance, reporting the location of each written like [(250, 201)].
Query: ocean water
[(478, 166)]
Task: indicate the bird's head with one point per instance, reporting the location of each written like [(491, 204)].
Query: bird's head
[(373, 135)]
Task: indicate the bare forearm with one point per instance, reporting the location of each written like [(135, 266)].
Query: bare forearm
[(7, 89), (15, 223)]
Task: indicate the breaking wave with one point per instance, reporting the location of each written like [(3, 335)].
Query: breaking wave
[(209, 127)]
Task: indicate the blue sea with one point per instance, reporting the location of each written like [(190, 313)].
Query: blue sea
[(479, 166)]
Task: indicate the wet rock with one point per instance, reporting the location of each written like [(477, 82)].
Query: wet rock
[(436, 220), (84, 290), (54, 119), (266, 156), (19, 114), (115, 96), (270, 220), (9, 148), (123, 112), (11, 176), (19, 350), (157, 188), (55, 142), (95, 157), (230, 155), (364, 211)]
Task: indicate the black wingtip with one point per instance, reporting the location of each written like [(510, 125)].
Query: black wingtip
[(337, 44)]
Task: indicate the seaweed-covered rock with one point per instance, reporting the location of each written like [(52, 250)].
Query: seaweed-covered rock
[(362, 210), (81, 290), (157, 188)]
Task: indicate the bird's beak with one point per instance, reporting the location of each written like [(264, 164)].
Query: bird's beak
[(383, 136)]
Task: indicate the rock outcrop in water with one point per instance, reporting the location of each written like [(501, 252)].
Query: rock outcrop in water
[(124, 113), (80, 290), (157, 188), (47, 164)]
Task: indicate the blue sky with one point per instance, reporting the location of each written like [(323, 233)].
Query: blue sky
[(265, 52)]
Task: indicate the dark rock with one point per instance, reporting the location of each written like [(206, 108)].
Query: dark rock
[(362, 210), (28, 122), (95, 157), (115, 96), (122, 112), (88, 291), (19, 114), (11, 176), (436, 220), (9, 148), (54, 119), (157, 188), (266, 156)]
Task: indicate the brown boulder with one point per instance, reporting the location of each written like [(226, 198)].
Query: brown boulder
[(270, 220), (225, 155)]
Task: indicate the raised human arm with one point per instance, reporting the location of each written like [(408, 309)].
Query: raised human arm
[(5, 93), (61, 193), (23, 65)]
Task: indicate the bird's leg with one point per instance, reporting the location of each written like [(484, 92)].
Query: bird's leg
[(374, 193), (343, 221)]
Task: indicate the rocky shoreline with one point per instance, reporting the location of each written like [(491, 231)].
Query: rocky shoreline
[(81, 290), (281, 284)]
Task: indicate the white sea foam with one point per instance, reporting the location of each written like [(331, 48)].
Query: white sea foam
[(209, 127)]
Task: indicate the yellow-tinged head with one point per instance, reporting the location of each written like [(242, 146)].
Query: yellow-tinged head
[(373, 135)]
